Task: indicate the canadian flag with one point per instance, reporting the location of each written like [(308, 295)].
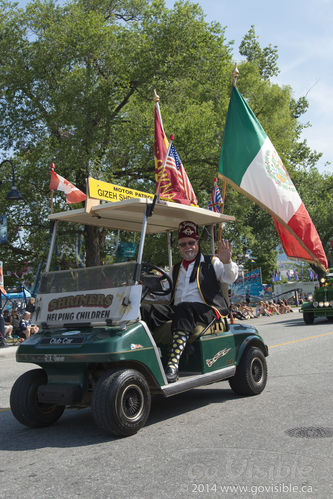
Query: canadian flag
[(58, 183)]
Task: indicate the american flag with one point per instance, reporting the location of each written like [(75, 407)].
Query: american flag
[(174, 163), (215, 201)]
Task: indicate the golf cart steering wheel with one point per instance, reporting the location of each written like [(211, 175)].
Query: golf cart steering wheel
[(153, 282)]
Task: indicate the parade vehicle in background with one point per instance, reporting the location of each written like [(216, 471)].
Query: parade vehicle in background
[(320, 304), (93, 350)]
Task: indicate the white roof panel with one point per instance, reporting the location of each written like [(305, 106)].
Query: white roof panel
[(128, 215)]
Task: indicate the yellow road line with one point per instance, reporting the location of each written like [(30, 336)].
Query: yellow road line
[(300, 339)]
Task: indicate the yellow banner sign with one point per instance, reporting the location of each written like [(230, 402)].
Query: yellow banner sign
[(112, 192)]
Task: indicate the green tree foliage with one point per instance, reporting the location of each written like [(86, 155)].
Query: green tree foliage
[(77, 84), (265, 59)]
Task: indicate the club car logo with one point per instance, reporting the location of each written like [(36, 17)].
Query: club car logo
[(277, 171), (76, 301), (219, 354)]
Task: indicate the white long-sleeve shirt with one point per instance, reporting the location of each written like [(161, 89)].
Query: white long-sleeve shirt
[(188, 291)]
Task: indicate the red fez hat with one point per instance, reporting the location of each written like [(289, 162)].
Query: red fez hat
[(187, 229)]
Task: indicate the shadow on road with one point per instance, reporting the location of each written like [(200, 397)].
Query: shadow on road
[(300, 322), (77, 428)]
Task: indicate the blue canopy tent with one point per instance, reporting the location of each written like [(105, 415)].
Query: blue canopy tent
[(7, 301), (17, 296), (9, 297)]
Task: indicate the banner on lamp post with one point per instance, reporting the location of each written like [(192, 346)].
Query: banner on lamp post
[(2, 289), (3, 229)]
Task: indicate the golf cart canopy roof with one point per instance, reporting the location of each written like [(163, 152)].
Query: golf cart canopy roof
[(128, 215)]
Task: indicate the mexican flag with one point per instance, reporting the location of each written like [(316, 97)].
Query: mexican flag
[(251, 164)]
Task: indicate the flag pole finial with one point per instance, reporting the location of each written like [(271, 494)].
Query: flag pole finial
[(156, 97), (235, 73)]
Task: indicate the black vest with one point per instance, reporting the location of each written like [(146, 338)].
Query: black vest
[(209, 286)]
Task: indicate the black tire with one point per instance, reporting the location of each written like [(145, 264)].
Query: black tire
[(24, 403), (308, 317), (330, 318), (121, 402), (251, 373)]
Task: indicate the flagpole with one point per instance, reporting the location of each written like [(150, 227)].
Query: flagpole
[(171, 138), (51, 208), (235, 74)]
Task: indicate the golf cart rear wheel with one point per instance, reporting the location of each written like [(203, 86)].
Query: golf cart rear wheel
[(24, 402), (121, 402), (308, 317), (251, 373)]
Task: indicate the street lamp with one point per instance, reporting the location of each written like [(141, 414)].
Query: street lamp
[(13, 194)]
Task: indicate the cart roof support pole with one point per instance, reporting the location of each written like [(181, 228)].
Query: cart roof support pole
[(212, 238), (169, 250), (51, 249), (141, 245)]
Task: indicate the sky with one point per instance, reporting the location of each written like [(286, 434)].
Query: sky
[(302, 32)]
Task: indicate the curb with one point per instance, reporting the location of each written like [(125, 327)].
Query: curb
[(8, 352)]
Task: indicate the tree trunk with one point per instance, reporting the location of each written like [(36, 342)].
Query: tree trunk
[(93, 246)]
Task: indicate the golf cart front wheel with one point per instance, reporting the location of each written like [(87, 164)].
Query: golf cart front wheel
[(121, 402), (251, 373), (24, 401)]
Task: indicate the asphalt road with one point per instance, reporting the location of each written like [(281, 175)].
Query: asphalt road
[(204, 443)]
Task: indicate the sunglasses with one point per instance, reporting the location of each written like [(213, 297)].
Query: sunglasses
[(188, 243)]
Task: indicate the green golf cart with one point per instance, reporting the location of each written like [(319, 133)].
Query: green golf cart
[(93, 349), (320, 303)]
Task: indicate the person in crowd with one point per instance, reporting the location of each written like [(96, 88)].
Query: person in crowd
[(8, 324), (247, 311), (15, 321), (30, 305), (26, 328), (273, 308), (267, 309), (260, 309), (287, 308), (196, 295), (237, 313)]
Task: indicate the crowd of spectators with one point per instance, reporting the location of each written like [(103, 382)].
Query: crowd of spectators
[(18, 321), (266, 308)]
